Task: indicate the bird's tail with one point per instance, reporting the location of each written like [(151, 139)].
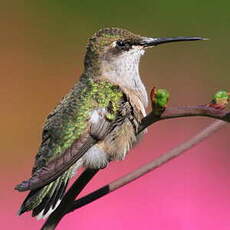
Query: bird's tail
[(43, 201)]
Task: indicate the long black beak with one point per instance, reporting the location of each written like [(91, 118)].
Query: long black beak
[(148, 42)]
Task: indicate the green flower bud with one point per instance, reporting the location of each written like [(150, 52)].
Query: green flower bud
[(222, 94), (162, 97)]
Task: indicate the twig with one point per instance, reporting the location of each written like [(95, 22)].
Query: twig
[(185, 111), (177, 151), (166, 113)]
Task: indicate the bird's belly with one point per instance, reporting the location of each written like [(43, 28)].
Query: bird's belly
[(119, 141), (95, 157), (114, 147)]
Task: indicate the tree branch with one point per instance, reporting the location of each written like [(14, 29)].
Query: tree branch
[(185, 111), (159, 112), (176, 152)]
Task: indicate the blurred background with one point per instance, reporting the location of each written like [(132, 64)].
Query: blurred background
[(42, 49)]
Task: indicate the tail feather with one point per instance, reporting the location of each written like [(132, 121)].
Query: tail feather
[(45, 204), (40, 208), (60, 194), (57, 193), (53, 200), (24, 207), (34, 198), (44, 200)]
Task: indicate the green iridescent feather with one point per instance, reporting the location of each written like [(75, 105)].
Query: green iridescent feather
[(70, 119)]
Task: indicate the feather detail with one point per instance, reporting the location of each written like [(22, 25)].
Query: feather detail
[(45, 200)]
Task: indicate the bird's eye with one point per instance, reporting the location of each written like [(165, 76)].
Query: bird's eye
[(121, 44)]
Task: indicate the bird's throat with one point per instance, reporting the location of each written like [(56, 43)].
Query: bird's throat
[(124, 71)]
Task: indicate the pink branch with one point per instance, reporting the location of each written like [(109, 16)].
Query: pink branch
[(69, 204), (176, 152)]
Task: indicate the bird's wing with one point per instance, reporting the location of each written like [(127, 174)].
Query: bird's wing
[(83, 118)]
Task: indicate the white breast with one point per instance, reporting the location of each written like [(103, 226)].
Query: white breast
[(95, 157), (124, 71)]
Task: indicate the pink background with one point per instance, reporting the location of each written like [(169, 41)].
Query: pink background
[(41, 57)]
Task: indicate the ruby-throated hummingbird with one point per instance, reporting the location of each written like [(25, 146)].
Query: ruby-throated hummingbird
[(97, 121)]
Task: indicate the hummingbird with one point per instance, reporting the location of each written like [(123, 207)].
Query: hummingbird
[(96, 122)]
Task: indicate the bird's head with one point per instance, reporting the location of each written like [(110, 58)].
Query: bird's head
[(118, 50)]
